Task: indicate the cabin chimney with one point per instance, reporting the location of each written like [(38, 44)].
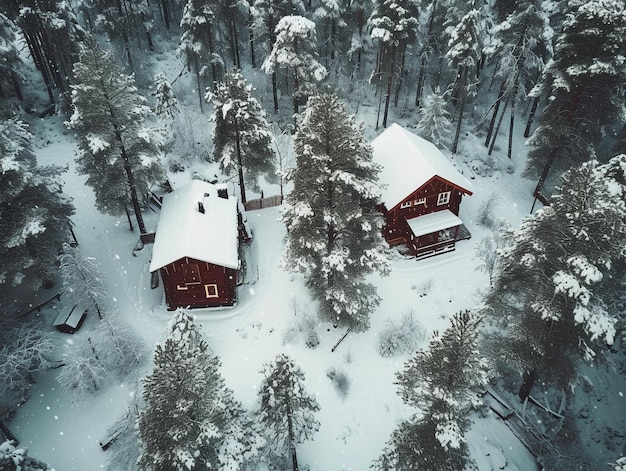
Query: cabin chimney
[(222, 192), (201, 207)]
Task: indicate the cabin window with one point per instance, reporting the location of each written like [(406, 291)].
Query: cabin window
[(182, 287), (443, 198), (211, 291), (191, 273), (406, 204), (419, 201)]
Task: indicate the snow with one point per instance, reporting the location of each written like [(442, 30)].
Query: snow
[(354, 428), (408, 162), (433, 222), (184, 231)]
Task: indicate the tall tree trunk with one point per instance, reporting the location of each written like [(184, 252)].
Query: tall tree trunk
[(251, 38), (497, 130), (389, 84), (531, 116), (400, 80), (421, 78), (512, 121), (166, 13), (242, 185), (291, 434), (496, 108), (461, 109)]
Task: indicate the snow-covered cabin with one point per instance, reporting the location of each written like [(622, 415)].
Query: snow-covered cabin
[(196, 249), (421, 195)]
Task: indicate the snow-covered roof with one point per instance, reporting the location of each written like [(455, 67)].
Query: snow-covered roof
[(408, 162), (184, 231), (433, 222)]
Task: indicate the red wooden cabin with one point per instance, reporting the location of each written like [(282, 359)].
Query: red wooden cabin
[(422, 193), (196, 249)]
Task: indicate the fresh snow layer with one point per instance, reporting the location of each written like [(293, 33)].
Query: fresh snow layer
[(183, 231), (408, 162)]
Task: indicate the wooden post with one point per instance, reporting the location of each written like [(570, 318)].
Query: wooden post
[(340, 340)]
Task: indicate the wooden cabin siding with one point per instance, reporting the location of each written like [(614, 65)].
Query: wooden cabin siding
[(396, 229), (190, 282)]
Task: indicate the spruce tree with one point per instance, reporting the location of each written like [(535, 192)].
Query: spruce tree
[(190, 420), (9, 59), (118, 151), (334, 230), (197, 43), (295, 50), (394, 24), (445, 383), (286, 411), (165, 101), (34, 214), (548, 292), (434, 123), (584, 82), (242, 140)]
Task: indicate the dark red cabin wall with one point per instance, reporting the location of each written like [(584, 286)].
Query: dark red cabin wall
[(396, 230), (187, 287)]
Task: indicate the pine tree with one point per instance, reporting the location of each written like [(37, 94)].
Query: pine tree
[(445, 383), (330, 13), (166, 103), (9, 59), (295, 50), (434, 123), (334, 231), (548, 292), (190, 420), (266, 14), (584, 84), (521, 46), (14, 458), (242, 140), (80, 276), (394, 24), (197, 42), (34, 214), (118, 151), (286, 411), (464, 50)]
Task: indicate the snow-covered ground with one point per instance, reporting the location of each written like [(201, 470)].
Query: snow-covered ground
[(353, 429)]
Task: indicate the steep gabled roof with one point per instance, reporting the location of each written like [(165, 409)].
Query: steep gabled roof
[(184, 231), (408, 162)]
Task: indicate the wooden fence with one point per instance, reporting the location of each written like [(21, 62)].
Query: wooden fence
[(261, 203)]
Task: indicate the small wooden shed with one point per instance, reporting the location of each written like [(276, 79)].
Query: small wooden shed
[(70, 319), (422, 193), (196, 248)]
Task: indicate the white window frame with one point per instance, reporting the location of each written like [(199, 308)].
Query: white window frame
[(419, 201), (405, 204), (443, 198), (213, 287)]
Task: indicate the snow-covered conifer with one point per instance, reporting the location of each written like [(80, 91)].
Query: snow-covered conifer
[(549, 285), (286, 410), (118, 151), (434, 123), (24, 350), (333, 229), (197, 43), (394, 24), (464, 50), (242, 140), (295, 50), (14, 458), (165, 101), (9, 58), (81, 279), (34, 214), (82, 371), (584, 82), (190, 419), (445, 383)]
